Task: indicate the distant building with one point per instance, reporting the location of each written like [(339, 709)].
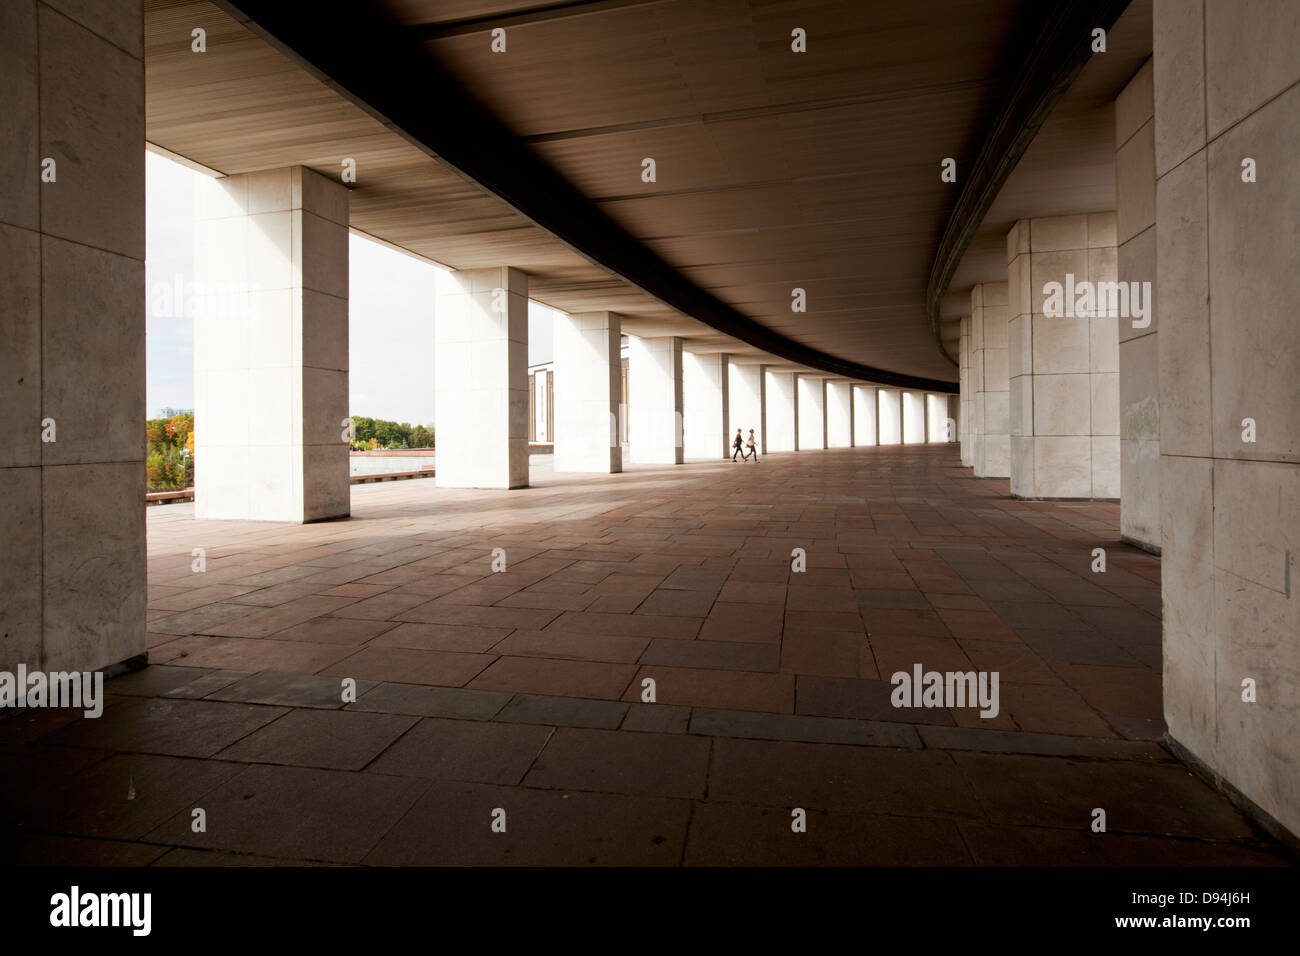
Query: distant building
[(168, 412)]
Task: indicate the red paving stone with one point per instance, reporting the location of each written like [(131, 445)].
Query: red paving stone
[(492, 684)]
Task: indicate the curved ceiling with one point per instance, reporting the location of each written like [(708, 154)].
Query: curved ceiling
[(775, 169)]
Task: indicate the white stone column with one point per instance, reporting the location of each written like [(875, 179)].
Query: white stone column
[(989, 382), (481, 379), (588, 392), (889, 416), (1226, 291), (967, 401), (1063, 369), (864, 415), (655, 394), (271, 347), (811, 412), (747, 396), (1139, 355), (706, 396), (72, 338), (839, 415), (782, 398), (914, 418)]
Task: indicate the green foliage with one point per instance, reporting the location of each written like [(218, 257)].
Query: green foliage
[(371, 433), (169, 458)]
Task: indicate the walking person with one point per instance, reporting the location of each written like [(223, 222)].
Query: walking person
[(751, 446), (737, 445)]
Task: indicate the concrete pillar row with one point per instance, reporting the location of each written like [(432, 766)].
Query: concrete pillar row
[(782, 398), (811, 412), (481, 378), (588, 392), (72, 463), (864, 414), (990, 444), (271, 347), (706, 397), (747, 397), (655, 432), (1063, 369)]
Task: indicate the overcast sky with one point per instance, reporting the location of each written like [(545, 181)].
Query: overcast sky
[(390, 309)]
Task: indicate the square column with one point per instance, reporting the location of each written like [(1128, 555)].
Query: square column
[(990, 425), (965, 396), (782, 398), (914, 418), (655, 394), (747, 397), (864, 415), (481, 379), (72, 338), (811, 412), (839, 415), (889, 416), (706, 396), (1139, 353), (588, 392), (271, 347), (1064, 357)]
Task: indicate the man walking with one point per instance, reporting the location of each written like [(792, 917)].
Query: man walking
[(737, 445)]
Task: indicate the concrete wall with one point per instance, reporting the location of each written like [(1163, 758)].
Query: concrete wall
[(72, 336), (271, 363), (1227, 88), (1063, 369), (914, 418), (966, 396), (1139, 357), (989, 384)]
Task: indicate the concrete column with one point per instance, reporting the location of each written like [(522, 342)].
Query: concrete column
[(1139, 357), (839, 415), (72, 326), (889, 416), (706, 387), (782, 399), (588, 392), (271, 347), (990, 449), (655, 394), (812, 412), (1063, 369), (864, 415), (967, 400), (1227, 88), (747, 396), (914, 423), (481, 379)]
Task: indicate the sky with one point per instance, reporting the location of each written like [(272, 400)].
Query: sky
[(390, 312)]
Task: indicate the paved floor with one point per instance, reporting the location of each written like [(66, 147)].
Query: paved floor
[(521, 690)]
